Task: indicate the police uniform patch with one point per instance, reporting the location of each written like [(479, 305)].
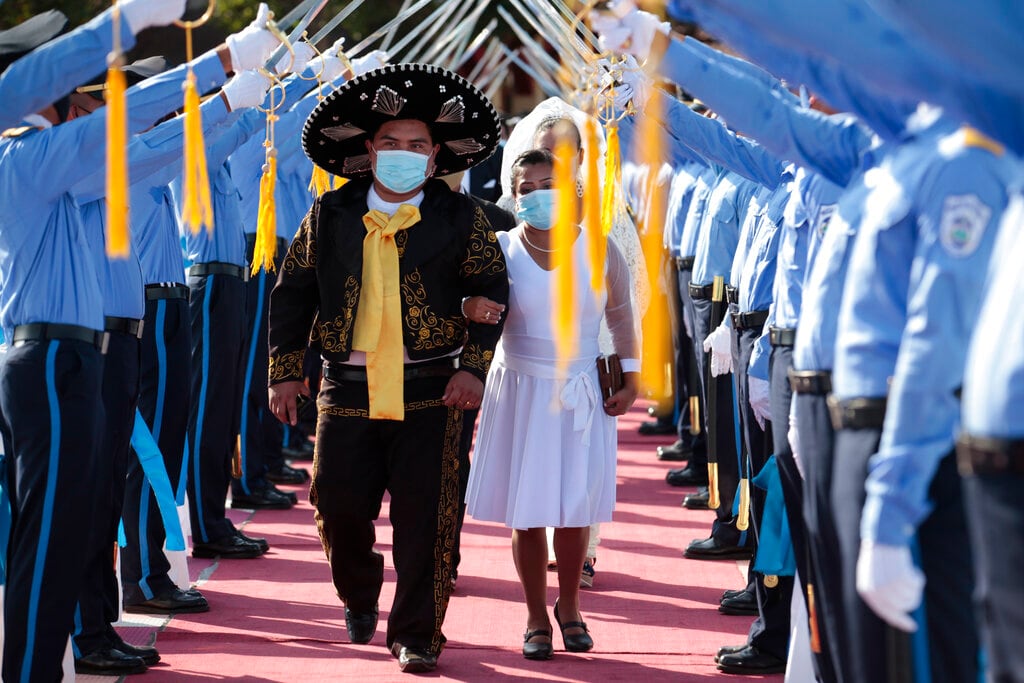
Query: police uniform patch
[(825, 214), (963, 222)]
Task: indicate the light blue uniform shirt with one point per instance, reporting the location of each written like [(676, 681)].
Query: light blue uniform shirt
[(43, 277), (695, 212), (936, 224), (719, 231), (872, 314), (51, 71), (993, 390), (680, 193)]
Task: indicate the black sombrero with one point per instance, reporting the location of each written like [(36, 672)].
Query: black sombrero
[(461, 118)]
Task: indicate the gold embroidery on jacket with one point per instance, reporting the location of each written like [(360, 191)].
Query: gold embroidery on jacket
[(484, 252), (334, 334), (302, 253), (429, 330), (286, 366), (473, 356)]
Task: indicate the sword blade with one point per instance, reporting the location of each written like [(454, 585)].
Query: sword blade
[(368, 40), (336, 21), (426, 29), (296, 33), (295, 13)]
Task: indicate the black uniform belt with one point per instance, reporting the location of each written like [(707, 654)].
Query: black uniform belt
[(748, 321), (132, 326), (42, 331), (684, 263), (857, 413), (218, 268), (981, 455), (732, 295), (782, 336), (700, 291), (339, 372), (818, 382), (170, 291)]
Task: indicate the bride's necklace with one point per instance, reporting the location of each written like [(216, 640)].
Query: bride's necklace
[(527, 240)]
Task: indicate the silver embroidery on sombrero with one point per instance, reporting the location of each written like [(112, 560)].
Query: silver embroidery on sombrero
[(342, 132), (388, 101), (452, 111), (464, 146), (356, 164)]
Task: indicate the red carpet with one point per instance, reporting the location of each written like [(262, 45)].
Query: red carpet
[(652, 614)]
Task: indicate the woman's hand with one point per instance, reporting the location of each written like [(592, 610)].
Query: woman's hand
[(623, 399), (480, 309)]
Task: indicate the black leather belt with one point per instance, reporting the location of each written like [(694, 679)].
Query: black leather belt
[(732, 295), (684, 263), (981, 455), (857, 413), (817, 382), (174, 291), (782, 336), (130, 326), (700, 291), (219, 268), (43, 331), (749, 321), (339, 372)]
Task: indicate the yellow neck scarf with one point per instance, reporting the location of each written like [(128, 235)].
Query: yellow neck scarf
[(378, 327)]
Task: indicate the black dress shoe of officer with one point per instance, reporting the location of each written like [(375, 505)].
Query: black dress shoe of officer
[(698, 500), (542, 650), (687, 476), (413, 660), (728, 650), (266, 499), (147, 653), (711, 549), (677, 452), (230, 547), (361, 626), (732, 593), (290, 495), (286, 474), (108, 661), (303, 450), (742, 605), (175, 602), (751, 661), (657, 428), (261, 542)]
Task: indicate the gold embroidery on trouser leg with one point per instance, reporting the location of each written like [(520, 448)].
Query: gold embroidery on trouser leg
[(447, 516)]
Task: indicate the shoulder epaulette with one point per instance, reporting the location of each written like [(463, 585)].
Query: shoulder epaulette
[(975, 138), (17, 132)]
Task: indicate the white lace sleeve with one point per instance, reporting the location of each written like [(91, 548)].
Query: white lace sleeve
[(619, 313)]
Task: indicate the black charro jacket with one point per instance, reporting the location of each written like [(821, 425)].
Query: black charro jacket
[(450, 254)]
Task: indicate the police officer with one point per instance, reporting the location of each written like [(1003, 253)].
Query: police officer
[(164, 400)]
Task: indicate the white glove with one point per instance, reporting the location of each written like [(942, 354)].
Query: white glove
[(636, 81), (287, 65), (141, 14), (253, 45), (719, 345), (612, 34), (643, 26), (246, 89), (760, 399), (374, 60), (890, 583), (793, 435)]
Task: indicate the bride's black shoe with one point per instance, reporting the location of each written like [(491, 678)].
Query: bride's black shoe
[(574, 642), (537, 650)]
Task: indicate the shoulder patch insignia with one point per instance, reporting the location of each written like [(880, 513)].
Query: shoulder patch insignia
[(17, 132), (963, 222), (825, 213)]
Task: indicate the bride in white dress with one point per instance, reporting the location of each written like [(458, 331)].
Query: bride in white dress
[(546, 444)]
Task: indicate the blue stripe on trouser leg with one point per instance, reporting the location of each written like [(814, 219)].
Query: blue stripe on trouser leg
[(245, 445), (197, 479), (48, 393)]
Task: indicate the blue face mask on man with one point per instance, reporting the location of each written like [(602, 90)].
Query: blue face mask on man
[(537, 209), (401, 171)]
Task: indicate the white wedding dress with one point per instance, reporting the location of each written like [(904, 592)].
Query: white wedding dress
[(545, 449)]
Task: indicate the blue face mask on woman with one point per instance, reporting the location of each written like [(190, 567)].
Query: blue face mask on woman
[(537, 209), (401, 171)]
